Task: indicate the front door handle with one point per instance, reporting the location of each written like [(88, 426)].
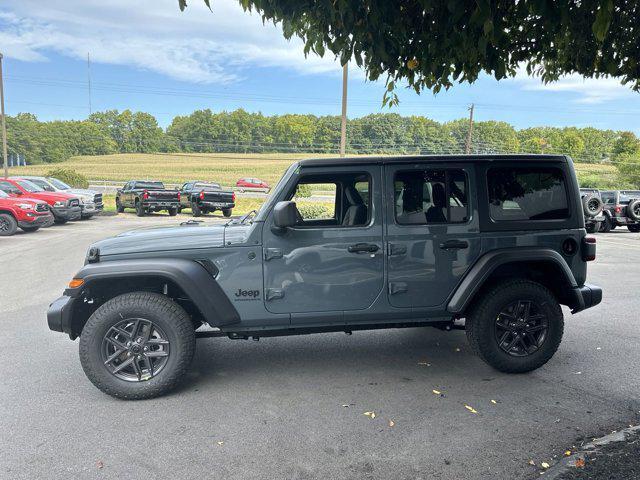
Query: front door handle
[(454, 245), (363, 247)]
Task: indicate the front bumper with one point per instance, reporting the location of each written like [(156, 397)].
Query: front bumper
[(39, 220), (67, 213), (586, 296), (59, 315), (89, 209)]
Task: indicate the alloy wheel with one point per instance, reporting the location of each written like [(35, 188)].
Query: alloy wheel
[(521, 328)]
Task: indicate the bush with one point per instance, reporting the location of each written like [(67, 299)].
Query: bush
[(311, 211), (69, 177), (304, 190)]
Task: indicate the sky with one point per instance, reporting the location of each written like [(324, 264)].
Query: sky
[(147, 55)]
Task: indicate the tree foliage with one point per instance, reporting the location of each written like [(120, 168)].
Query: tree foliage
[(431, 44)]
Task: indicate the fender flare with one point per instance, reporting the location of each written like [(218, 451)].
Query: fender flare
[(196, 279), (487, 264)]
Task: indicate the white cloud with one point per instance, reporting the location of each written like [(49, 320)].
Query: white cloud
[(196, 46), (584, 90)]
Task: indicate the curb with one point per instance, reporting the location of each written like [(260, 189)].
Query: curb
[(568, 463)]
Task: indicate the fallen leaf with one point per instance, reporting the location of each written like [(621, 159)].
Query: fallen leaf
[(371, 415), (345, 405), (577, 373), (494, 402), (220, 443), (436, 392), (567, 453), (457, 349), (531, 462), (545, 465), (392, 423), (424, 364), (471, 409), (580, 463), (99, 464), (598, 348)]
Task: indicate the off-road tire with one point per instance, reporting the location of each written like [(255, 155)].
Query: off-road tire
[(8, 225), (139, 209), (226, 212), (173, 212), (606, 226), (119, 207), (633, 210), (592, 227), (592, 205), (195, 209), (634, 228), (160, 309), (30, 229), (481, 318)]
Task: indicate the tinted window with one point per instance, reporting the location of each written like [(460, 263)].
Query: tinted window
[(150, 185), (627, 196), (608, 198), (431, 197), (527, 194)]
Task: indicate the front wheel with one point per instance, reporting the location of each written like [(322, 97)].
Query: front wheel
[(606, 225), (516, 326), (173, 212), (137, 345), (8, 225), (226, 212), (139, 209), (119, 207), (195, 209)]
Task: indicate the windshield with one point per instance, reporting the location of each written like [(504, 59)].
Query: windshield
[(3, 194), (150, 185), (60, 185), (259, 216), (29, 186)]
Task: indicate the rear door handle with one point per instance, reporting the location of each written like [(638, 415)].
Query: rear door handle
[(363, 247), (454, 245)]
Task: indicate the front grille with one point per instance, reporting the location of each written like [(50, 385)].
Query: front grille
[(74, 202), (42, 207)]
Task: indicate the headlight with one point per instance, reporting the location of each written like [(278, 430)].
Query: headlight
[(25, 206), (59, 204)]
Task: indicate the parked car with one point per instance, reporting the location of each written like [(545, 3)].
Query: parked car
[(253, 184), (90, 200), (621, 208), (64, 206), (592, 206), (147, 196), (206, 197), (25, 213), (496, 242)]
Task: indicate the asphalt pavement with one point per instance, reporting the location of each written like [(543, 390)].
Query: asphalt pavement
[(293, 407)]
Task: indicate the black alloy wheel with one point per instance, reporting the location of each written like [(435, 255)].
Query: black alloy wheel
[(521, 328)]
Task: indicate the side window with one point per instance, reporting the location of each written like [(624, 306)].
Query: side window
[(608, 198), (435, 196), (42, 184), (186, 187), (7, 187), (335, 200), (523, 193)]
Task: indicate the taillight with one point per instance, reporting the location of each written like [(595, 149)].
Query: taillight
[(233, 196), (178, 196), (618, 208), (202, 195), (145, 195), (589, 249)]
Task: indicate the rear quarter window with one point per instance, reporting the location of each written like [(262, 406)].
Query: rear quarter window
[(527, 193)]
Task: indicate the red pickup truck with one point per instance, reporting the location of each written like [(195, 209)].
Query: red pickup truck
[(27, 213), (64, 206)]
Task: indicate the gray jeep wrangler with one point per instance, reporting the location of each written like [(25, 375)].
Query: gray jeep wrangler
[(491, 244)]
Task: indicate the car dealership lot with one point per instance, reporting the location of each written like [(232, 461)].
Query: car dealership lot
[(292, 407)]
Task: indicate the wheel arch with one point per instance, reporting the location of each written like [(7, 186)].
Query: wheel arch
[(544, 266), (190, 283)]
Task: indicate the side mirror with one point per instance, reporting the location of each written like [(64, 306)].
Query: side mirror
[(284, 216)]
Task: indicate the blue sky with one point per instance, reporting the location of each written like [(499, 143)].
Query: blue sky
[(148, 56)]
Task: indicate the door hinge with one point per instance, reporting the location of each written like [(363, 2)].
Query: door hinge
[(271, 253), (274, 293), (396, 249), (397, 287)]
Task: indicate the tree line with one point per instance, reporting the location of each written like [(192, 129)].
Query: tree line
[(205, 131)]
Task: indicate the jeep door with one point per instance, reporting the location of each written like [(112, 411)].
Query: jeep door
[(432, 231), (331, 261)]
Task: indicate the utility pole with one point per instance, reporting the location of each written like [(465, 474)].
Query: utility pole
[(89, 79), (467, 149), (4, 124), (343, 125)]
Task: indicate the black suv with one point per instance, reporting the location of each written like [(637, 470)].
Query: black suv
[(621, 208), (492, 244)]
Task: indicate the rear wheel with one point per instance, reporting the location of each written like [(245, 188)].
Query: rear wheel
[(226, 212), (516, 326), (137, 345), (592, 227), (605, 226), (173, 212), (8, 225), (119, 207), (634, 228), (139, 209), (30, 229)]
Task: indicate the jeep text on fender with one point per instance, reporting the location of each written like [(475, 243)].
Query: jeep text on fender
[(494, 243)]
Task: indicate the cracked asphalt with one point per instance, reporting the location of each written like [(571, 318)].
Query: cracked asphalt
[(275, 408)]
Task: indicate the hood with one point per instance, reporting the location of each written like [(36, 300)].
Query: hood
[(81, 192), (15, 200), (162, 239), (53, 196)]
